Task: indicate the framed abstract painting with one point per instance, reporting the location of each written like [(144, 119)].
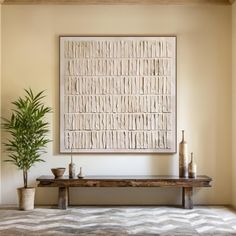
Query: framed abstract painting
[(117, 94)]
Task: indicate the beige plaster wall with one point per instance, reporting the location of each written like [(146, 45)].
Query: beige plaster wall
[(234, 101), (0, 95), (30, 58)]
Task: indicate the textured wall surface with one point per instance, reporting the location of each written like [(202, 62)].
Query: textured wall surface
[(117, 94), (30, 58)]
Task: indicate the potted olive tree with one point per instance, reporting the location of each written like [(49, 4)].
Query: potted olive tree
[(28, 130)]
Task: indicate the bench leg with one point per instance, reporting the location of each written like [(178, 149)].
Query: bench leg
[(63, 198), (187, 198)]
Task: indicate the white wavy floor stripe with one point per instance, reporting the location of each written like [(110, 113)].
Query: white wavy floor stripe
[(122, 221)]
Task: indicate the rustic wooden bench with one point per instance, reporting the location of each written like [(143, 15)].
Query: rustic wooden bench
[(64, 183)]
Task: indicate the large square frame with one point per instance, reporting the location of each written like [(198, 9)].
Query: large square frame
[(118, 94)]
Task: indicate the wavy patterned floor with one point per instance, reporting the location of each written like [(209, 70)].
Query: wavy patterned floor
[(120, 221)]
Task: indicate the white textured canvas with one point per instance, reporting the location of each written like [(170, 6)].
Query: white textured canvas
[(118, 94)]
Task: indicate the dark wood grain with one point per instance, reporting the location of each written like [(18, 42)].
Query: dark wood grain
[(125, 181), (63, 198), (187, 198), (186, 184)]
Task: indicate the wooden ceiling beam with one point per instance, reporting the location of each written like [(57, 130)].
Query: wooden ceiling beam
[(120, 2)]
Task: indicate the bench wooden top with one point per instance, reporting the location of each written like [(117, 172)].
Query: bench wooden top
[(125, 181)]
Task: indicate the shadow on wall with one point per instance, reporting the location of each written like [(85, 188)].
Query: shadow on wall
[(163, 164)]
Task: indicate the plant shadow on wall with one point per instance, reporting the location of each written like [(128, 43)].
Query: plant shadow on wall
[(28, 139)]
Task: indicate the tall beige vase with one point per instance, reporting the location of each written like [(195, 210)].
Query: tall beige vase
[(192, 168), (26, 198), (72, 170), (183, 158)]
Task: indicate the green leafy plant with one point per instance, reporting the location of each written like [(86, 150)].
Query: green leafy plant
[(28, 132)]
